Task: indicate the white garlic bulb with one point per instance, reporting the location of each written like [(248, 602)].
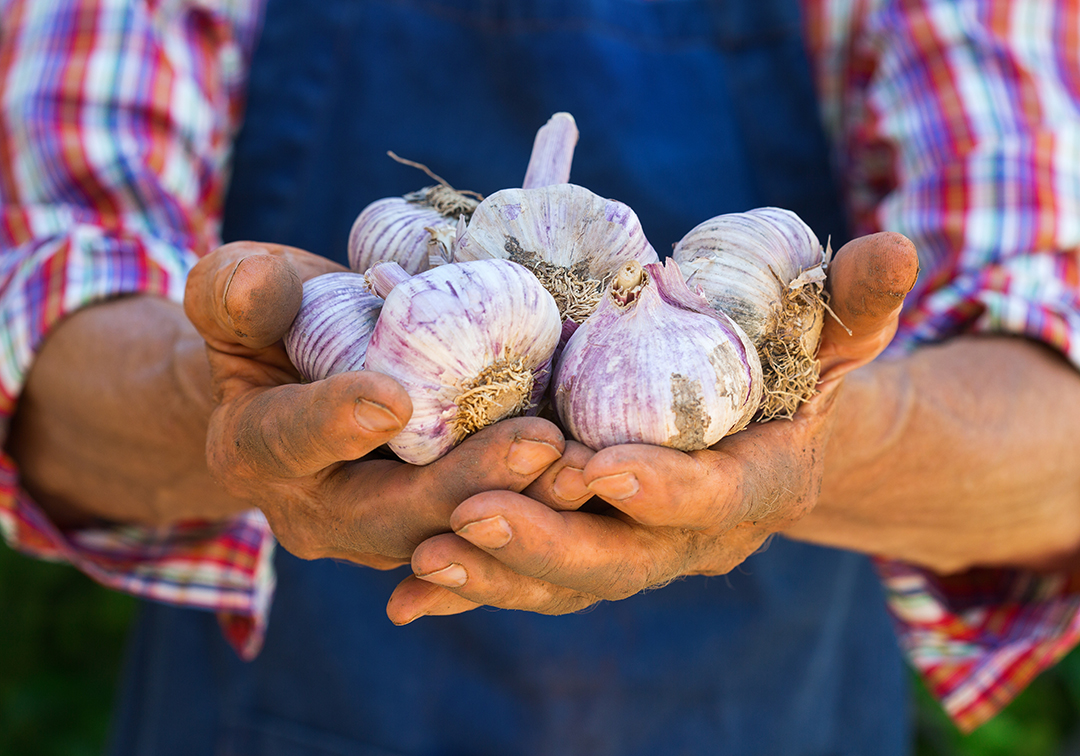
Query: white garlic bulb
[(331, 330), (573, 240), (416, 231), (766, 269), (655, 364), (472, 344)]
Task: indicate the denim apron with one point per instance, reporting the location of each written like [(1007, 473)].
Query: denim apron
[(687, 109)]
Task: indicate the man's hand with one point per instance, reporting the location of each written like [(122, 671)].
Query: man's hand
[(300, 452), (671, 513)]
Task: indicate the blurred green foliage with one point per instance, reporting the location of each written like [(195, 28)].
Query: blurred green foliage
[(61, 639)]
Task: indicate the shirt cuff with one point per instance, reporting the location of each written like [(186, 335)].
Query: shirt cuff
[(1035, 295), (223, 566), (978, 639)]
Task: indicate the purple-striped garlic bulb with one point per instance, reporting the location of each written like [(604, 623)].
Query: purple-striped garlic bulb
[(472, 344), (331, 331), (766, 269), (571, 239), (655, 364), (416, 231)]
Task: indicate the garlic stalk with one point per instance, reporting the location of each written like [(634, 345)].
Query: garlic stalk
[(552, 152), (572, 240), (471, 343), (655, 364), (766, 269), (331, 330)]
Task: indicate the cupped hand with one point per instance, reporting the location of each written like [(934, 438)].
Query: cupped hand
[(668, 513), (306, 454)]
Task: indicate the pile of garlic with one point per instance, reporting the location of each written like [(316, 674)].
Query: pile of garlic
[(476, 305)]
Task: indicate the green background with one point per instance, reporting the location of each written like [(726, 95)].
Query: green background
[(61, 639)]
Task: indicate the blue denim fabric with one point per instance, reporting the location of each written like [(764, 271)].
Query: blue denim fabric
[(687, 108)]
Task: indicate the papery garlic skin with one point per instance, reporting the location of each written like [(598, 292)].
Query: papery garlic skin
[(664, 368), (766, 269), (570, 238), (471, 343), (416, 231), (331, 330)]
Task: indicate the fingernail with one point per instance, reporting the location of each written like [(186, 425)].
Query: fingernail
[(375, 417), (617, 487), (489, 533), (527, 457), (569, 484), (410, 619), (451, 576)]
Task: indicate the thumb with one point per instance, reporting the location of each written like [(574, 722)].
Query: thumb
[(243, 296), (868, 280)]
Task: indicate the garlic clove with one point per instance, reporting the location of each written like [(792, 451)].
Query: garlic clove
[(471, 343), (416, 231), (331, 331), (655, 364), (766, 269), (383, 276), (571, 239)]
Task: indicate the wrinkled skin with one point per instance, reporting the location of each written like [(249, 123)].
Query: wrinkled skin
[(515, 516), (303, 453)]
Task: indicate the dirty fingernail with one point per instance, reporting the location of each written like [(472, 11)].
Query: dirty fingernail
[(527, 457), (375, 417), (451, 576), (619, 486), (489, 533), (569, 484), (413, 618)]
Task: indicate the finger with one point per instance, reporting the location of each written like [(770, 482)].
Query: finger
[(414, 598), (299, 429), (761, 473), (661, 487), (562, 485), (405, 504), (508, 455), (452, 564), (602, 556), (868, 280), (246, 294)]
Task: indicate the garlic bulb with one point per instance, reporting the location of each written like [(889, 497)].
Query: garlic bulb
[(331, 330), (471, 343), (655, 364), (416, 230), (766, 269), (571, 239)]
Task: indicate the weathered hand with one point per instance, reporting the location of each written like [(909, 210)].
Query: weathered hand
[(671, 513), (302, 452)]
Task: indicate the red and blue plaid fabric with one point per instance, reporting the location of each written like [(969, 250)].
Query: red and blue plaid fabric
[(955, 123)]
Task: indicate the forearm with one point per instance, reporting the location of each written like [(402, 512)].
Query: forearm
[(112, 421), (957, 456)]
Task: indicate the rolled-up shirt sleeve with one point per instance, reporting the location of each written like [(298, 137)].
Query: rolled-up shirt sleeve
[(116, 120), (957, 123)]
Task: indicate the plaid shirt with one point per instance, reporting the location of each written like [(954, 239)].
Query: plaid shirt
[(955, 122)]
